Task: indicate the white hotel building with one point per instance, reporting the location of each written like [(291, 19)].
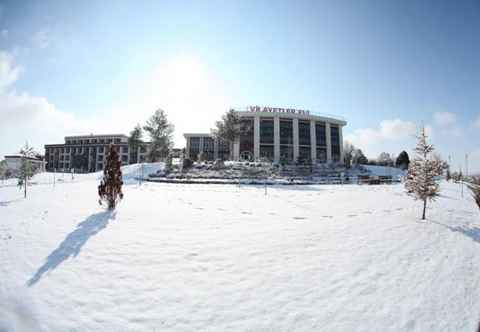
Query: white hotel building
[(276, 134)]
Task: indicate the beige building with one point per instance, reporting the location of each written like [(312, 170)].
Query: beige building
[(276, 134)]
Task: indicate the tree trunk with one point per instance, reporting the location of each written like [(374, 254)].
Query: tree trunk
[(424, 208), (25, 187)]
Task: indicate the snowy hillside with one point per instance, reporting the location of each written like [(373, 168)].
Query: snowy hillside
[(179, 257)]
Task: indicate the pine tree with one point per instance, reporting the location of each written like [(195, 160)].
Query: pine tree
[(228, 129), (134, 142), (26, 169), (110, 188), (422, 171), (348, 154), (403, 160), (160, 131)]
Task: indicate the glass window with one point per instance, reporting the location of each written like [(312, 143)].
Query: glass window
[(322, 155), (246, 137), (266, 131), (286, 153), (266, 152), (304, 133), (286, 131), (321, 134)]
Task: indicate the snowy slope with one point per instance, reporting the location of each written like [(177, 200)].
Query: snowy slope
[(229, 258)]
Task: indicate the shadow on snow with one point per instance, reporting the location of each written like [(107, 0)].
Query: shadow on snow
[(73, 243), (472, 232)]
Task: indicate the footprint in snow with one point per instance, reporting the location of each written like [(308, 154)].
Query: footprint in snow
[(327, 216), (351, 215), (245, 212), (299, 218)]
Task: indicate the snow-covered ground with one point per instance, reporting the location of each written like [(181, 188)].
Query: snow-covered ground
[(176, 257)]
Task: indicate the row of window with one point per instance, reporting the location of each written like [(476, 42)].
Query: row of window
[(94, 141), (80, 150)]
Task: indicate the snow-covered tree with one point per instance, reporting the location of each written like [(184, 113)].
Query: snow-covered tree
[(422, 172), (160, 131), (348, 154), (26, 170), (359, 158), (110, 188), (228, 129), (474, 187), (384, 159)]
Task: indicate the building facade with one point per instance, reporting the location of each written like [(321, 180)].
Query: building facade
[(87, 153), (14, 162), (276, 134)]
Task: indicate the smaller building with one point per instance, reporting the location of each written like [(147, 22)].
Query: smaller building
[(205, 144), (87, 153), (14, 162)]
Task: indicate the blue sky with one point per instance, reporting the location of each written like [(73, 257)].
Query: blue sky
[(103, 66)]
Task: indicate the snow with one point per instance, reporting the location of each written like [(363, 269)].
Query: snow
[(177, 257)]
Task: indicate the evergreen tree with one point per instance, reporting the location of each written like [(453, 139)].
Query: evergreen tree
[(422, 171), (134, 142), (160, 132), (228, 129), (403, 160), (110, 188), (359, 158), (26, 169), (474, 187)]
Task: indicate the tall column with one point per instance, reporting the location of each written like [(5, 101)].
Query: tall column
[(313, 141), (215, 149), (276, 139), (187, 149), (340, 137), (200, 148), (295, 139), (329, 142), (236, 149), (256, 137)]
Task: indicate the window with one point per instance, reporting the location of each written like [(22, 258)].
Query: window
[(286, 131), (246, 138), (100, 149), (304, 133), (102, 140), (266, 131), (117, 140), (125, 149), (194, 147), (208, 147), (124, 158), (335, 141), (320, 133)]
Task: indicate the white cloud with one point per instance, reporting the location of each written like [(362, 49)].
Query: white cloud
[(9, 73), (445, 119), (476, 122), (41, 38), (391, 136), (25, 117)]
